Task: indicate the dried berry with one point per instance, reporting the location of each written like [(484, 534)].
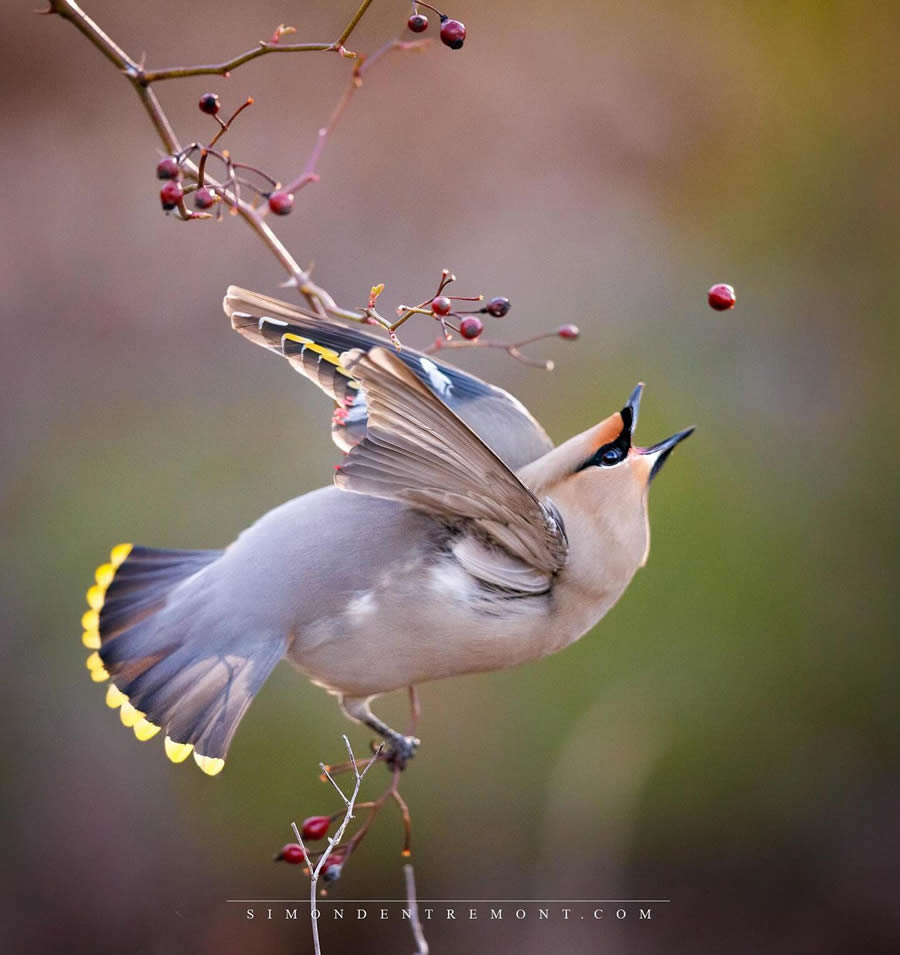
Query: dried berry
[(315, 827), (569, 332), (167, 168), (441, 305), (171, 194), (281, 202), (204, 198), (453, 33), (471, 327), (418, 23), (497, 307), (291, 853), (209, 103), (721, 297)]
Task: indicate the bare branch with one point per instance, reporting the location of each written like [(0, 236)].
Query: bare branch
[(333, 841), (414, 922)]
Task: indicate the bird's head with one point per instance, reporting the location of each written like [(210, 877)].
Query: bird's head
[(600, 479), (611, 456)]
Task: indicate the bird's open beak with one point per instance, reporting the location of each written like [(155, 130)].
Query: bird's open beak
[(631, 409), (659, 452)]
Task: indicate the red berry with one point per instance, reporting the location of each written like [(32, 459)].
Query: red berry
[(453, 33), (721, 297), (441, 305), (497, 307), (332, 869), (171, 194), (315, 827), (471, 327), (209, 103), (167, 168), (418, 23), (281, 202), (204, 198), (568, 331), (291, 853)]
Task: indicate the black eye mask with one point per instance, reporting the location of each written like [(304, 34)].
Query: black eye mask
[(616, 451)]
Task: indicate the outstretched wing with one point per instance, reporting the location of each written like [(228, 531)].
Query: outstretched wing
[(313, 346), (418, 451)]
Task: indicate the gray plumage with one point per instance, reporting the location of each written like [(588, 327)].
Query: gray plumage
[(457, 539)]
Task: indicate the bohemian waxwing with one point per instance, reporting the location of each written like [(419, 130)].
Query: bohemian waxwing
[(456, 539)]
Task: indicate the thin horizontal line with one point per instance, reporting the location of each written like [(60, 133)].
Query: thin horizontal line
[(456, 901)]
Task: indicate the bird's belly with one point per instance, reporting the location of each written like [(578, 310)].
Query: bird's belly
[(428, 623)]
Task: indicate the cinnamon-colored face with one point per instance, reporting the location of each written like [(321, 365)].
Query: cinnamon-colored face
[(607, 431)]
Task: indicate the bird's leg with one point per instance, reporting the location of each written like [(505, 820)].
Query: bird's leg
[(402, 748)]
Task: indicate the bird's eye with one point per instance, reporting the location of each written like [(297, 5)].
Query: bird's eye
[(611, 456)]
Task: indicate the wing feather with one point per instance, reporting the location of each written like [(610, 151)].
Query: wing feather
[(417, 450), (312, 346)]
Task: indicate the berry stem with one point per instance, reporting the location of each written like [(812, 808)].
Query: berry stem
[(363, 65), (141, 80)]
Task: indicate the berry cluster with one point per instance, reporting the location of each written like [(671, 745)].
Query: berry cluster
[(441, 307), (171, 168), (313, 829), (470, 327), (453, 32)]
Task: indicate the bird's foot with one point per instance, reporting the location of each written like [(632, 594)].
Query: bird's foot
[(401, 750)]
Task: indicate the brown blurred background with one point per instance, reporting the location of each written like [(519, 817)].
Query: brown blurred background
[(727, 738)]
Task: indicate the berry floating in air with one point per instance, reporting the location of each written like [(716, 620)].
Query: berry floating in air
[(569, 332), (471, 327), (281, 202), (171, 194), (291, 853), (167, 168), (418, 23), (497, 307), (204, 198), (441, 305), (721, 297), (209, 103), (315, 827), (453, 33)]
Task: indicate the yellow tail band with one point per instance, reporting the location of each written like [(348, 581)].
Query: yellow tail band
[(90, 619), (129, 714)]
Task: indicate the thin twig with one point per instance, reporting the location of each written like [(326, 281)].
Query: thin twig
[(222, 69), (319, 300), (334, 840), (414, 922)]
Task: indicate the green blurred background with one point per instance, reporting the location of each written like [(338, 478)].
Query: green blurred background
[(727, 738)]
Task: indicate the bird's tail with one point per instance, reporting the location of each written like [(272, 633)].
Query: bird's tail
[(169, 662)]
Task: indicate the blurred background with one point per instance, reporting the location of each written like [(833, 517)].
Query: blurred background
[(727, 737)]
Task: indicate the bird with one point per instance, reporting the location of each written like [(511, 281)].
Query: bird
[(456, 538)]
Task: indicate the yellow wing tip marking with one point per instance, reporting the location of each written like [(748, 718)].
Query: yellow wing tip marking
[(90, 620), (178, 752), (145, 730), (99, 675), (91, 639), (210, 765), (329, 354)]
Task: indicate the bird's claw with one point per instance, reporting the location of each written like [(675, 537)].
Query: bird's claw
[(401, 751)]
